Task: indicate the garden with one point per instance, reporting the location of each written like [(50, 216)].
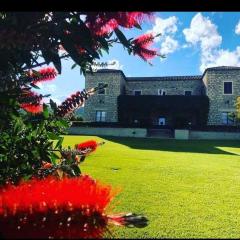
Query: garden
[(187, 189), (57, 186)]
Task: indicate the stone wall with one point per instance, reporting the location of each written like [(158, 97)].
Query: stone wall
[(117, 132), (218, 101), (108, 101), (214, 135), (171, 87)]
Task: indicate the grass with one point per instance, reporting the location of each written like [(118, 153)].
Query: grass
[(187, 189)]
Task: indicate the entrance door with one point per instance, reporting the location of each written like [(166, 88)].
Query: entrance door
[(161, 121)]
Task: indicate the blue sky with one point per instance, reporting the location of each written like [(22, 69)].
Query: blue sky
[(191, 41)]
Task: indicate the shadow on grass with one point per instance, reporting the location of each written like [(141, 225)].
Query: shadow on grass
[(171, 145)]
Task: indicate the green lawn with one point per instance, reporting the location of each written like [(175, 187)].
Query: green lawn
[(187, 189)]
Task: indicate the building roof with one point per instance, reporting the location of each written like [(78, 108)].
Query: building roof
[(109, 71), (220, 68), (167, 78)]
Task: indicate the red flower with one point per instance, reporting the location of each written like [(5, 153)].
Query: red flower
[(103, 23), (31, 101), (44, 74), (67, 208), (140, 47), (144, 40), (72, 103), (32, 108), (130, 19), (91, 144)]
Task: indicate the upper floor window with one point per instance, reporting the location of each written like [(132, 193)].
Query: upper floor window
[(187, 93), (227, 88), (137, 92), (102, 90), (161, 92), (100, 116)]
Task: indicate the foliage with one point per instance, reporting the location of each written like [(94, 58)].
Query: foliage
[(31, 142), (238, 110), (27, 140)]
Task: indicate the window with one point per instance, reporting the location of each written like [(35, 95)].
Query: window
[(188, 93), (101, 91), (227, 87), (137, 92), (227, 118), (161, 92), (100, 116)]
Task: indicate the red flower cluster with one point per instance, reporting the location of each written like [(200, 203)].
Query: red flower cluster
[(141, 45), (103, 23), (31, 102), (32, 108), (91, 145), (75, 101), (44, 74), (52, 208)]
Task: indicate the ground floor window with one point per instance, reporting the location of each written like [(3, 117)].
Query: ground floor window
[(227, 118), (100, 116)]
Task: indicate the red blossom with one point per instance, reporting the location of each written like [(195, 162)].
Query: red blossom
[(32, 108), (31, 102), (103, 23), (141, 45), (91, 144), (67, 208), (44, 74), (144, 40), (130, 19)]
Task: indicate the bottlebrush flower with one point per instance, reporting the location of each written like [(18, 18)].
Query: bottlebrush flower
[(31, 102), (72, 103), (101, 23), (144, 41), (32, 108), (44, 74), (91, 144), (52, 208), (130, 19), (140, 45)]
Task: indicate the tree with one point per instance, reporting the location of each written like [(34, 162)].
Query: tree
[(29, 126)]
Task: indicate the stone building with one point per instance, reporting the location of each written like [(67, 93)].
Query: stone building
[(164, 100)]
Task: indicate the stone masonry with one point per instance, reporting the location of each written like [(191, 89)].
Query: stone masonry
[(210, 84)]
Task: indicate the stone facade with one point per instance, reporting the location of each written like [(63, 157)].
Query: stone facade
[(219, 102), (104, 102), (211, 83)]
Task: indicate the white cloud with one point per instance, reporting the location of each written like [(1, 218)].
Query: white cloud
[(168, 28), (111, 64), (164, 26), (169, 45), (47, 87), (114, 64), (237, 28), (202, 32)]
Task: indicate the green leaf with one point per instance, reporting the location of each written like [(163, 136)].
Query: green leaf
[(62, 123), (122, 38), (53, 105), (137, 26), (59, 143), (51, 55), (52, 136), (45, 111), (73, 66), (34, 86), (53, 157)]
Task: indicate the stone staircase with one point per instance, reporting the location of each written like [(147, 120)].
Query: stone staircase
[(160, 133)]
